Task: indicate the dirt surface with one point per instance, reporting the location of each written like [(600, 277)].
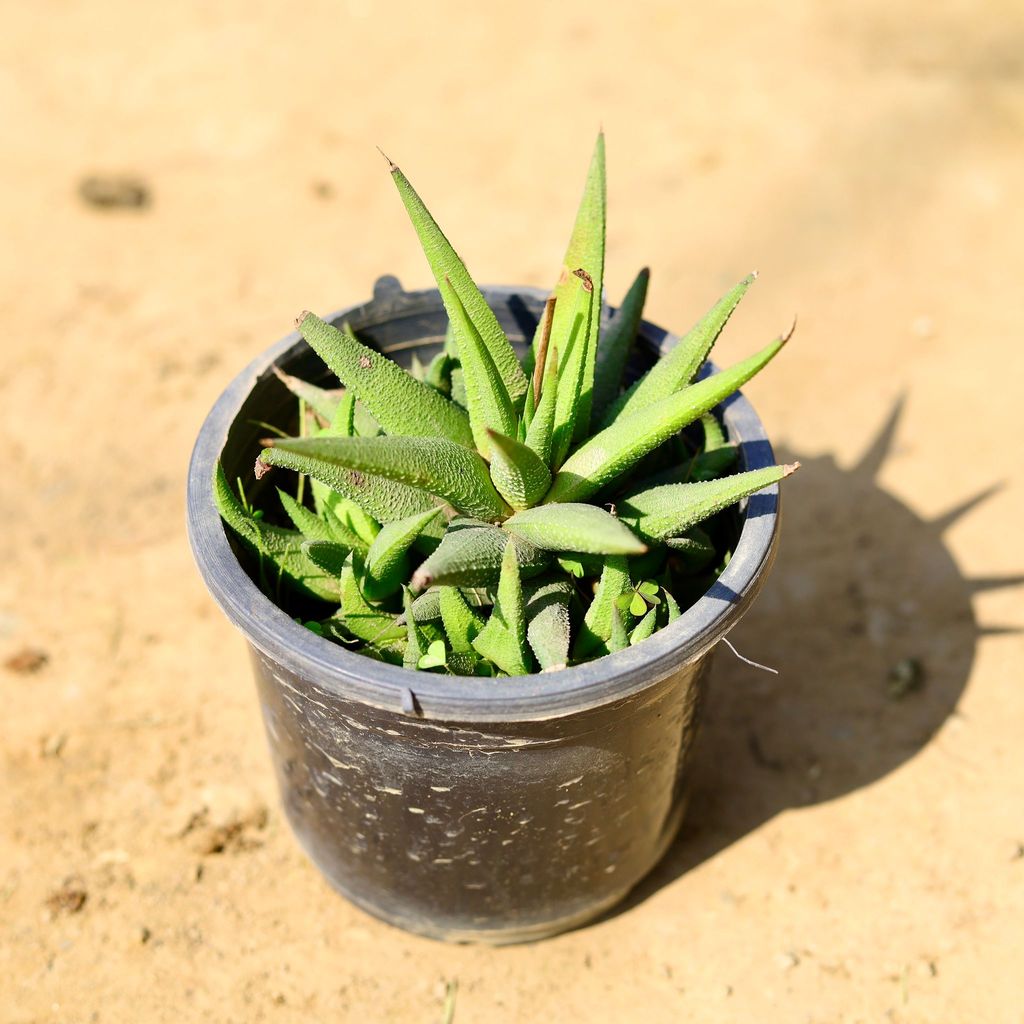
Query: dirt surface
[(181, 179)]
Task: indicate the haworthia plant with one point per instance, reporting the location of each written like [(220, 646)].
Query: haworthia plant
[(481, 515)]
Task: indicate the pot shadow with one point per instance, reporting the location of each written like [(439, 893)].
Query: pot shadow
[(862, 587)]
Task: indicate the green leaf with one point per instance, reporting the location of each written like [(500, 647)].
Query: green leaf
[(547, 623), (386, 563), (347, 522), (445, 263), (617, 341), (713, 464), (427, 607), (360, 618), (323, 402), (596, 631), (490, 408), (586, 251), (400, 403), (327, 555), (517, 472), (281, 549), (616, 448), (619, 640), (714, 436), (310, 525), (572, 350), (433, 464), (575, 527), (638, 606), (413, 639), (385, 500), (645, 627), (439, 373), (461, 623), (677, 368), (674, 611), (540, 433), (503, 638), (470, 555), (693, 549), (667, 511), (436, 656)]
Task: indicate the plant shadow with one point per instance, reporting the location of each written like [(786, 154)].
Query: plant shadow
[(862, 587)]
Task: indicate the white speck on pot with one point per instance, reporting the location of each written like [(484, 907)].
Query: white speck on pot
[(441, 789), (388, 789), (570, 782), (416, 810)]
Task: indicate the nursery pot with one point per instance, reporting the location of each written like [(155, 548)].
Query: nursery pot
[(469, 809)]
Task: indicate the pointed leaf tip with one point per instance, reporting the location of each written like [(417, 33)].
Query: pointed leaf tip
[(391, 163)]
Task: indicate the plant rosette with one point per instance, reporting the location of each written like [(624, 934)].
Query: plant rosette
[(490, 542)]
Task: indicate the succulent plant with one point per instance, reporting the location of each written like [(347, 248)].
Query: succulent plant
[(492, 515)]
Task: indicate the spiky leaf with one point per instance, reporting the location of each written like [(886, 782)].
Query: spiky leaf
[(400, 403), (596, 631), (518, 473), (586, 251), (539, 434), (678, 367), (433, 464), (572, 352), (277, 548), (667, 511), (490, 407), (461, 624), (471, 555), (503, 638), (360, 618), (575, 526), (445, 263), (548, 626), (386, 564), (616, 448), (616, 343), (645, 627)]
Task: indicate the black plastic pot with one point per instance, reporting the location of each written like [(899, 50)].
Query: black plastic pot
[(470, 809)]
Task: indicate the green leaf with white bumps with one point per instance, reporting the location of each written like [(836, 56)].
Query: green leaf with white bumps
[(668, 511), (277, 548), (618, 447), (678, 367), (471, 555), (503, 638), (490, 408), (596, 632), (433, 464), (616, 343), (574, 526), (548, 629), (445, 263), (518, 473), (585, 251), (386, 562), (400, 403), (461, 624)]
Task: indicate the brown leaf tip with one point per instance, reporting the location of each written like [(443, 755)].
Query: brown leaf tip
[(301, 317), (261, 469), (391, 163), (588, 281), (790, 469), (789, 334)]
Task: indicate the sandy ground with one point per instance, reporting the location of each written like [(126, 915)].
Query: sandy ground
[(851, 855)]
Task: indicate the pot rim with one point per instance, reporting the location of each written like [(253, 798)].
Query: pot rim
[(428, 695)]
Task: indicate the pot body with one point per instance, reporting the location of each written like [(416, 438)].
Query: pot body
[(470, 809), (469, 832)]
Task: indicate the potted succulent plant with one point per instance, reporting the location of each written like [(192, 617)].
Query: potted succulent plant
[(482, 596)]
